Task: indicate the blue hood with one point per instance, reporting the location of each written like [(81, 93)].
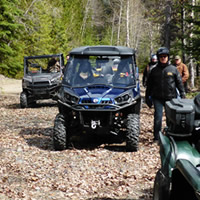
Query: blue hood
[(98, 92)]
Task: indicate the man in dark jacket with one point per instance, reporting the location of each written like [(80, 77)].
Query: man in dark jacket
[(162, 85), (148, 69)]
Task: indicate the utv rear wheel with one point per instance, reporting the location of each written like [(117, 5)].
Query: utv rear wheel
[(23, 100), (60, 136), (133, 131), (161, 190)]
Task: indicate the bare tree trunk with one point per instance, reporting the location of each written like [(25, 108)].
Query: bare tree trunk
[(197, 70), (150, 38), (30, 7), (85, 18), (137, 23), (167, 31), (127, 24), (183, 40), (119, 23), (113, 27), (191, 63)]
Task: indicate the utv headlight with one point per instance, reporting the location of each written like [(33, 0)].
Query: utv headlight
[(69, 98), (65, 95), (123, 99), (56, 80), (27, 81)]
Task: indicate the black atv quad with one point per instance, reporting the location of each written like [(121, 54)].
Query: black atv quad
[(100, 94), (179, 176), (42, 78)]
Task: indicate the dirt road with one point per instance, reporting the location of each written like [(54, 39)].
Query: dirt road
[(10, 86)]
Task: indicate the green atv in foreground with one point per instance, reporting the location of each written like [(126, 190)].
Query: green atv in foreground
[(179, 176)]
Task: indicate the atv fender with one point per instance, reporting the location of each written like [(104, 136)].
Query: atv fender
[(167, 154), (190, 172)]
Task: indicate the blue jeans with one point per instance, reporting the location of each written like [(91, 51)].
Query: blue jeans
[(158, 114)]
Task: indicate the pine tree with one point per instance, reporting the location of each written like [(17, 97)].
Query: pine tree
[(10, 29)]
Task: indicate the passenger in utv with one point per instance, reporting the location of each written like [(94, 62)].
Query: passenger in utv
[(122, 74), (161, 87)]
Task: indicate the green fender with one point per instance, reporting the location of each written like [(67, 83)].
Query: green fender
[(181, 155), (167, 154), (191, 174), (172, 150)]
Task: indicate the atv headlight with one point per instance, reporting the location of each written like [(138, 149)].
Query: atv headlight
[(123, 99)]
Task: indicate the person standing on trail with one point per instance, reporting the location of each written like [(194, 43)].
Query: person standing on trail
[(161, 87), (148, 69), (183, 70)]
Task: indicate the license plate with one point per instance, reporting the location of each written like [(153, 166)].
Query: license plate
[(95, 123)]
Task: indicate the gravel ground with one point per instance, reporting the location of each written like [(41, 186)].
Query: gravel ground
[(10, 86), (30, 169)]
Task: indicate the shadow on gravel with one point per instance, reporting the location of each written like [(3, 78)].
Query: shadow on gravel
[(89, 141), (44, 104), (13, 106), (105, 198), (147, 141), (39, 137), (145, 195), (37, 105), (42, 139)]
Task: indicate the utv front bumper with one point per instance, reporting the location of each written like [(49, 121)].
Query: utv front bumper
[(104, 107), (98, 117), (42, 91)]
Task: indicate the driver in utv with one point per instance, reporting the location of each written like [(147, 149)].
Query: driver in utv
[(84, 74), (53, 65)]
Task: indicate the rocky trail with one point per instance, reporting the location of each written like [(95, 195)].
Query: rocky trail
[(30, 169)]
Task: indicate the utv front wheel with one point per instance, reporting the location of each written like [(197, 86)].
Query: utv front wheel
[(133, 131), (60, 136), (161, 190), (23, 100)]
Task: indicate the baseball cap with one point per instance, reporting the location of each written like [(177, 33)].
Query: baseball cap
[(177, 57)]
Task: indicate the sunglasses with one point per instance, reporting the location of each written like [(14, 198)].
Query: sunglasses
[(162, 56)]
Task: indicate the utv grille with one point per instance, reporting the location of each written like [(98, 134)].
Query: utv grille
[(106, 101), (98, 87), (42, 83), (86, 101), (103, 101)]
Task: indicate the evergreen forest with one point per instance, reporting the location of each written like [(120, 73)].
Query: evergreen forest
[(37, 27)]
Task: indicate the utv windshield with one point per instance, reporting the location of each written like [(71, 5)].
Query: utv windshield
[(115, 71), (35, 66)]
